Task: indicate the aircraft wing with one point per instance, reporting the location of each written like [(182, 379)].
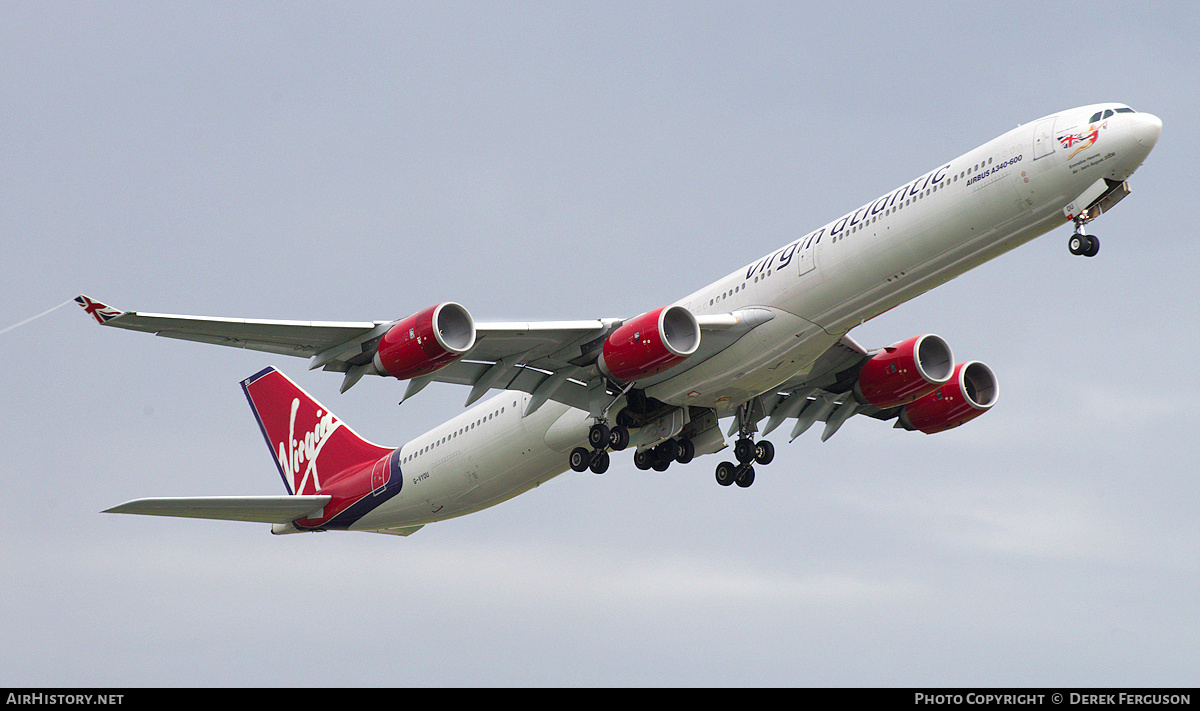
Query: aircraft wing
[(261, 509), (552, 360), (826, 393), (823, 394), (294, 338), (556, 360)]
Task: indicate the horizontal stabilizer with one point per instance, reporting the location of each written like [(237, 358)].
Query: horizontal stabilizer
[(261, 509)]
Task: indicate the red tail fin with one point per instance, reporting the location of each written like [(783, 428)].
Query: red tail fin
[(310, 445)]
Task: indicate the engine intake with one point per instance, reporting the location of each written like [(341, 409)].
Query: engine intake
[(426, 341), (647, 345), (904, 372), (970, 393)]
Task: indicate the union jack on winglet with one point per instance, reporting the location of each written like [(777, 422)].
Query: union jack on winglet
[(97, 310)]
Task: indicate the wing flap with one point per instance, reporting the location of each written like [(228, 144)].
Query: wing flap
[(534, 340), (822, 394), (260, 509)]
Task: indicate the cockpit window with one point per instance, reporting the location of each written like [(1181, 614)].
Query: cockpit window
[(1099, 115)]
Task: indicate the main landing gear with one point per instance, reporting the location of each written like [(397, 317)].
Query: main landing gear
[(662, 455), (601, 438), (748, 453), (680, 449)]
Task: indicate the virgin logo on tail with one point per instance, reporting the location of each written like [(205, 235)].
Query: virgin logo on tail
[(305, 450), (311, 446)]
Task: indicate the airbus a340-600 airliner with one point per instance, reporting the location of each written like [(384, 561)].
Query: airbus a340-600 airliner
[(766, 343)]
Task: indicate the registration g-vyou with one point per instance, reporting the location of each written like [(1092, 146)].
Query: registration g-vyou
[(762, 348)]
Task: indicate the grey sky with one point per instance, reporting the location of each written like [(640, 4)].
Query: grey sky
[(576, 160)]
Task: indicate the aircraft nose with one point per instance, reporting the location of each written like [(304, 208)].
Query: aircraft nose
[(1146, 128)]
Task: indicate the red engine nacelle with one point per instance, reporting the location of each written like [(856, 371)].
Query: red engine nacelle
[(649, 344), (969, 394), (904, 372), (426, 341)]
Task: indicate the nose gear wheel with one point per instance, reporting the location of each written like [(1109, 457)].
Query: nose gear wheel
[(1081, 243)]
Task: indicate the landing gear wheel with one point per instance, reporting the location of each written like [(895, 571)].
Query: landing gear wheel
[(598, 436), (580, 459), (618, 438), (661, 465), (1078, 244), (599, 463), (1083, 245), (726, 473), (687, 450), (745, 476), (743, 450), (643, 459), (667, 451), (764, 452)]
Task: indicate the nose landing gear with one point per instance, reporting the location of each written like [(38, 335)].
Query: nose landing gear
[(1082, 243), (1099, 199)]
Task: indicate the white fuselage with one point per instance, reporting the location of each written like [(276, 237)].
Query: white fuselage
[(902, 244)]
